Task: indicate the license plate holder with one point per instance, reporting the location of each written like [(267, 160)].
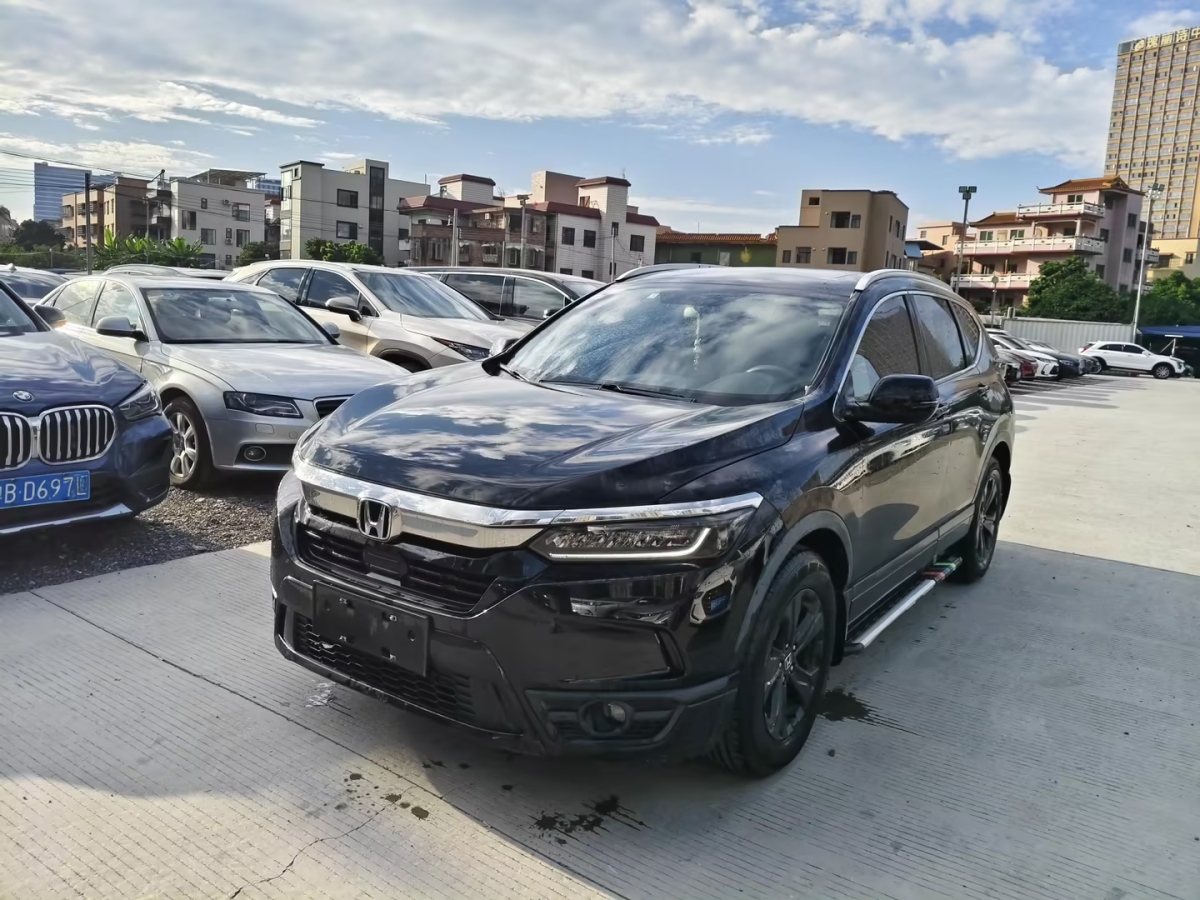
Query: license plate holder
[(54, 487), (372, 628)]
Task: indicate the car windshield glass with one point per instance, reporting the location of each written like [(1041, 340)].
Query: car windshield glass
[(420, 295), (32, 285), (13, 319), (577, 287), (728, 344), (216, 316)]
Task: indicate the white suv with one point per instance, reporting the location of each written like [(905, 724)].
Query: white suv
[(1132, 358)]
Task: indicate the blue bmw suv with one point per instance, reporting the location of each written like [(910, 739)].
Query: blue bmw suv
[(82, 437)]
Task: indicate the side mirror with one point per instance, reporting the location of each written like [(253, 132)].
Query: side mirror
[(119, 326), (332, 330), (550, 312), (899, 399), (51, 316), (500, 345), (346, 305)]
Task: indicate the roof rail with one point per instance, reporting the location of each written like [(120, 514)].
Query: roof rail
[(870, 278)]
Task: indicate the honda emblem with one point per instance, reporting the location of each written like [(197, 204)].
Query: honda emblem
[(375, 519)]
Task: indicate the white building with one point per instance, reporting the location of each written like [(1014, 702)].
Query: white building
[(224, 218), (359, 204)]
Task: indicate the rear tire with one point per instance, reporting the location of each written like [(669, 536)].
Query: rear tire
[(978, 548), (782, 680), (1103, 365), (1162, 371)]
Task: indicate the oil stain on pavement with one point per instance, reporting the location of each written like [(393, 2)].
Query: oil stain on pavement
[(598, 815)]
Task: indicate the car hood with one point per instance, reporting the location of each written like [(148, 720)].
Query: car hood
[(303, 371), (467, 331), (461, 433), (58, 369)]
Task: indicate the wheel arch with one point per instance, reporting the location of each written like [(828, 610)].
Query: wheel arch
[(1002, 453), (404, 356)]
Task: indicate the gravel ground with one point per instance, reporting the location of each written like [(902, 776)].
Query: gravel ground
[(235, 514)]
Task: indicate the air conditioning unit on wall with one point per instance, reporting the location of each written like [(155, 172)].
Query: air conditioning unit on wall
[(228, 240)]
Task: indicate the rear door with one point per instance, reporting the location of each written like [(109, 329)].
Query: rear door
[(485, 289), (323, 286)]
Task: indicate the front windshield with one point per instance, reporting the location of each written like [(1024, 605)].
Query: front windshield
[(577, 287), (216, 316), (420, 295), (32, 285), (728, 344), (13, 319)]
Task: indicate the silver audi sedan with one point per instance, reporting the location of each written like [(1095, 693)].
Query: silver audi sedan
[(241, 372)]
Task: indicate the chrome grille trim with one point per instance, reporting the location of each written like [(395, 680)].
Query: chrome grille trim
[(62, 436), (16, 441)]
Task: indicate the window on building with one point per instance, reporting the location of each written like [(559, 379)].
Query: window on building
[(1104, 234), (1189, 258), (208, 235), (839, 220), (229, 235), (836, 256), (566, 271), (987, 235), (1074, 198), (243, 237), (814, 201), (1068, 231), (241, 212), (1131, 220), (587, 273), (589, 238), (851, 257), (923, 235), (856, 221), (514, 222), (204, 203), (229, 259), (694, 256), (347, 231), (1127, 254), (347, 198), (568, 236), (637, 243), (187, 220), (786, 256), (1100, 271), (804, 255), (1016, 234), (403, 234)]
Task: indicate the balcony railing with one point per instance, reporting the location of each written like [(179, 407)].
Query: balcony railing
[(1067, 210), (1060, 244), (1011, 281)]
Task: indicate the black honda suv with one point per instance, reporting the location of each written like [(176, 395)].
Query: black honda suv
[(651, 525)]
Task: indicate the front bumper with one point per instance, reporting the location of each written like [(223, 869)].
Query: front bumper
[(131, 477), (524, 654)]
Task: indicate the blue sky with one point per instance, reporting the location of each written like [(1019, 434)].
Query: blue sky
[(718, 111)]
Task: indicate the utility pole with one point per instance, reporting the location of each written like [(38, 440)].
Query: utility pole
[(1153, 193), (87, 213), (454, 237), (612, 253), (965, 192), (521, 265)]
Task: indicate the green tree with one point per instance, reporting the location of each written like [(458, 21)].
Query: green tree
[(31, 235), (257, 250), (1174, 300), (1069, 290), (332, 251), (116, 250)]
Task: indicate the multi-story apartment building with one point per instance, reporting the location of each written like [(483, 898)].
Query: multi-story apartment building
[(566, 224), (52, 183), (121, 208), (360, 203), (1154, 129), (214, 208), (854, 230), (714, 249), (1096, 218)]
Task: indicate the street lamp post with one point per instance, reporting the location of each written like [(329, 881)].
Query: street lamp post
[(965, 192), (1153, 193), (995, 287)]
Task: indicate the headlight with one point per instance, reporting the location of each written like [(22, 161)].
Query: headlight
[(699, 538), (466, 350), (262, 404), (143, 403)]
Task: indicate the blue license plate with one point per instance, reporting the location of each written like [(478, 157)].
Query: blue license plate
[(35, 489)]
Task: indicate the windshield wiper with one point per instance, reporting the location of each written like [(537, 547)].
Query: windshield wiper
[(513, 372), (621, 387)]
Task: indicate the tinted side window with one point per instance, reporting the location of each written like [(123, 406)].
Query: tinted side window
[(1134, 348), (969, 326), (486, 290), (76, 301), (888, 347), (117, 300), (326, 285), (533, 299), (939, 334), (284, 282)]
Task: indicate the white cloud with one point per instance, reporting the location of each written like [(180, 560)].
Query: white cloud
[(985, 92), (340, 155), (136, 158), (686, 213), (1162, 21)]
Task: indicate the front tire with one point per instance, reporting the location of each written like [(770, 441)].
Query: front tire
[(782, 680), (1162, 371), (191, 454), (978, 548)]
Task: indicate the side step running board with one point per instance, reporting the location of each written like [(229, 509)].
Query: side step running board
[(935, 574)]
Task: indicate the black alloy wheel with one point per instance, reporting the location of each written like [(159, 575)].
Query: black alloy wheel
[(978, 548), (793, 664)]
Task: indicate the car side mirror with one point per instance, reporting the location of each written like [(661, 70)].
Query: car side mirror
[(501, 345), (119, 326), (898, 399), (51, 315), (546, 314), (332, 330), (346, 305)]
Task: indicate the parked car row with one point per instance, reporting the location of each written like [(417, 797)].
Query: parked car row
[(1120, 356)]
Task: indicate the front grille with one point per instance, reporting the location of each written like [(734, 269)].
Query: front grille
[(76, 433), (16, 440), (327, 405), (449, 695), (452, 590)]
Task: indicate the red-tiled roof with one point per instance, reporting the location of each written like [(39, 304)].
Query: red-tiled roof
[(640, 219), (478, 179), (683, 237), (1083, 185), (442, 203), (567, 209), (603, 179), (999, 218)]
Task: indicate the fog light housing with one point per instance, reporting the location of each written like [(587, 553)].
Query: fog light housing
[(605, 718), (254, 453)]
